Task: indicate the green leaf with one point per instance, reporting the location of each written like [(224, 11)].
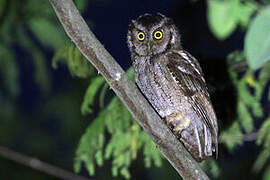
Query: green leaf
[(232, 136), (114, 171), (90, 94), (248, 99), (266, 175), (264, 76), (49, 34), (99, 158), (245, 11), (150, 152), (77, 64), (77, 166), (257, 40), (222, 17), (9, 70), (41, 73), (211, 166), (125, 173), (126, 139), (235, 56), (61, 55), (261, 160), (245, 117), (91, 145), (81, 4), (264, 132), (38, 9), (91, 168), (102, 95)]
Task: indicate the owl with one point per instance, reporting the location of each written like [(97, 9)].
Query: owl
[(172, 81)]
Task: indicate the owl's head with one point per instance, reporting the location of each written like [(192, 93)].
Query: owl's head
[(152, 34)]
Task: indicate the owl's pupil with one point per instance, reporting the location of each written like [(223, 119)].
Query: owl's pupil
[(158, 35), (141, 36)]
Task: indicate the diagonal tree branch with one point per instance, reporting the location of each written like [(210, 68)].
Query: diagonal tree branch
[(143, 113), (39, 165)]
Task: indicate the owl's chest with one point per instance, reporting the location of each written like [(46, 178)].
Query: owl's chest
[(160, 88)]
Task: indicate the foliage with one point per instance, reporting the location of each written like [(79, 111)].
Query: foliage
[(29, 33), (211, 167), (257, 41), (267, 173), (77, 64), (225, 16), (233, 131), (113, 134), (37, 27), (264, 140), (20, 19), (126, 136), (9, 70), (252, 83)]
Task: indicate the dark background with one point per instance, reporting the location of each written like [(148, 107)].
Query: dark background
[(50, 129)]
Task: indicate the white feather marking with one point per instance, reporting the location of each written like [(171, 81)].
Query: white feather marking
[(184, 55), (198, 141), (197, 70), (173, 40), (182, 69), (205, 139)]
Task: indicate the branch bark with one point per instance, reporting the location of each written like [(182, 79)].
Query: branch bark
[(143, 113)]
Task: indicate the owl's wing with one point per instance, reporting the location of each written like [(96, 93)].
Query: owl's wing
[(187, 72)]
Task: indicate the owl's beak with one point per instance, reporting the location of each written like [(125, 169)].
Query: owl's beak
[(149, 48)]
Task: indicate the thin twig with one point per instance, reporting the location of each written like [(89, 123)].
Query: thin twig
[(39, 165), (143, 113), (239, 65), (245, 137)]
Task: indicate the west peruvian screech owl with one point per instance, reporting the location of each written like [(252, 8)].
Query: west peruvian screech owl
[(173, 82)]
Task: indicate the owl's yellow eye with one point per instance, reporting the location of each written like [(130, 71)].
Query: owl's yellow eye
[(158, 35), (140, 36)]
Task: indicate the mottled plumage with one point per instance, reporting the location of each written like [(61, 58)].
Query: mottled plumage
[(172, 81)]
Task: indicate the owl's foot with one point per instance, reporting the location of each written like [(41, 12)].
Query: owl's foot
[(177, 122)]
